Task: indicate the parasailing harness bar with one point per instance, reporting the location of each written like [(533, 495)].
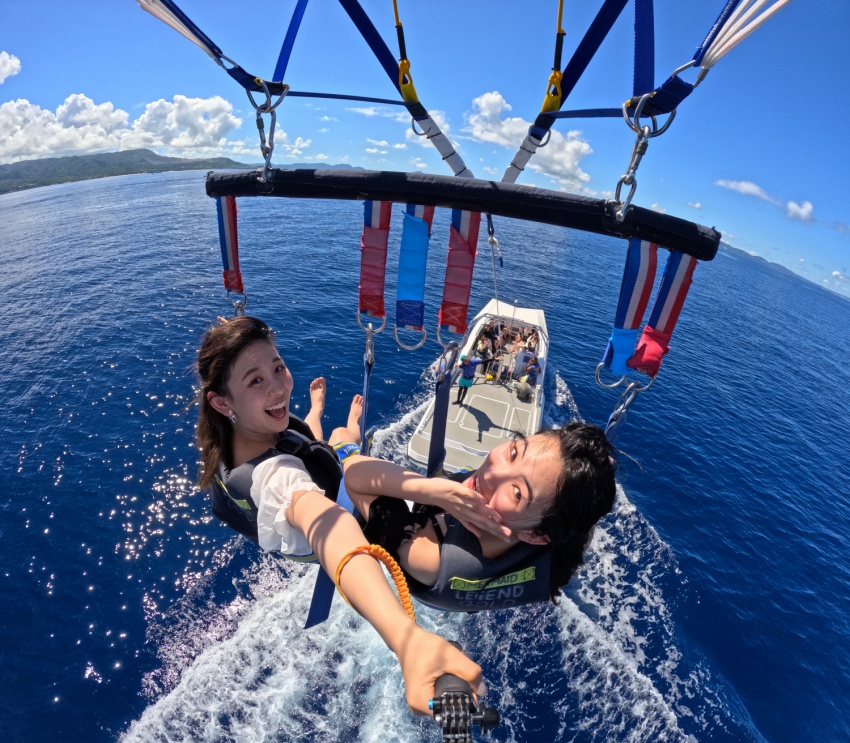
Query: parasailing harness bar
[(472, 194)]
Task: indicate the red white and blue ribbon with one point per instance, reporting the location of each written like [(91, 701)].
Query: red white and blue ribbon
[(228, 237), (635, 292), (655, 340), (460, 262), (373, 257)]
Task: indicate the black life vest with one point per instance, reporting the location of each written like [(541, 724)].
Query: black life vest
[(231, 491), (468, 581)]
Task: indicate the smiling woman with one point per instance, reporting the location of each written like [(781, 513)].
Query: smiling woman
[(511, 533), (244, 398)]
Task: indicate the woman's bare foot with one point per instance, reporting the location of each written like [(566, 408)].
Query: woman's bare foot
[(318, 390), (355, 412)]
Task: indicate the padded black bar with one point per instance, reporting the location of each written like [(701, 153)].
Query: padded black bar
[(502, 199)]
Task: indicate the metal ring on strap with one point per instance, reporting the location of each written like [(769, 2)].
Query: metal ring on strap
[(239, 300), (404, 345), (602, 384), (423, 133), (370, 328)]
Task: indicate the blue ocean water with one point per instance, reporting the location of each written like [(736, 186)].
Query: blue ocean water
[(715, 601)]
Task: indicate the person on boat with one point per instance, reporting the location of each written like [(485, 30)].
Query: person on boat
[(467, 376), (509, 534), (244, 420), (484, 349), (529, 372)]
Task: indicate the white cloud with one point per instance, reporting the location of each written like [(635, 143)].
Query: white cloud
[(803, 211), (748, 188), (9, 65), (375, 151), (417, 162), (328, 118), (559, 160), (367, 111), (184, 126), (378, 142), (695, 205), (78, 125), (400, 146), (658, 208), (183, 123), (802, 260), (840, 276)]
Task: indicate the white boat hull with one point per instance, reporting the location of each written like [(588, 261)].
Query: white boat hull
[(492, 413)]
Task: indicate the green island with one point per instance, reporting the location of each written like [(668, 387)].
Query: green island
[(48, 171)]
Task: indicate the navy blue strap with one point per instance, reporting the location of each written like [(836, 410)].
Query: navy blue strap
[(715, 29), (587, 48), (644, 74), (342, 97), (373, 39), (437, 446), (588, 113), (323, 592), (289, 40), (186, 21)]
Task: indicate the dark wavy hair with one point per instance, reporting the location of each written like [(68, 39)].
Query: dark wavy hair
[(584, 493), (218, 353)]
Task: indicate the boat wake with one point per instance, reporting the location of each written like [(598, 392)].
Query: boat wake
[(243, 668)]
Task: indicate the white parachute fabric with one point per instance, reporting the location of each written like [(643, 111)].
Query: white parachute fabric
[(738, 27), (163, 13)]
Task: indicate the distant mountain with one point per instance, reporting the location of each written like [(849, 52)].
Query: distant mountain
[(35, 173), (745, 254)]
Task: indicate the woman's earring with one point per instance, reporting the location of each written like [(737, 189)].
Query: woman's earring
[(232, 416)]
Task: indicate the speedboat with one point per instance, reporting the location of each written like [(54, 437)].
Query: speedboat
[(497, 406)]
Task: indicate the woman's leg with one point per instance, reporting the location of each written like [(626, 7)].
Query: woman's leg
[(350, 432), (318, 388)]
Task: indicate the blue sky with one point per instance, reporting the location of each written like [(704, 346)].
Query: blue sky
[(760, 149)]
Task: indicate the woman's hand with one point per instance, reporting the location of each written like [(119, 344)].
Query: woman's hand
[(466, 505), (424, 658)]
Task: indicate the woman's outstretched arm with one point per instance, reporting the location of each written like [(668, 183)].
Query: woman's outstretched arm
[(366, 478), (424, 657)]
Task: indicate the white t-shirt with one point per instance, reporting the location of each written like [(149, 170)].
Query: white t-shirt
[(274, 481)]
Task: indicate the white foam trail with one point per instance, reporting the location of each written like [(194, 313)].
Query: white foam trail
[(560, 406), (609, 667)]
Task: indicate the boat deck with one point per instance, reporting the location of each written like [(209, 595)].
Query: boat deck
[(491, 413)]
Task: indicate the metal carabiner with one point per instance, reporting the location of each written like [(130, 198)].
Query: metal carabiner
[(447, 359), (266, 108), (239, 300), (370, 329)]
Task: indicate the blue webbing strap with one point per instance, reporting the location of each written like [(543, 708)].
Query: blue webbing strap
[(289, 40), (715, 29), (585, 51), (368, 363), (373, 39), (644, 74), (412, 262), (588, 113), (343, 97), (323, 591), (437, 446), (186, 21), (587, 48)]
